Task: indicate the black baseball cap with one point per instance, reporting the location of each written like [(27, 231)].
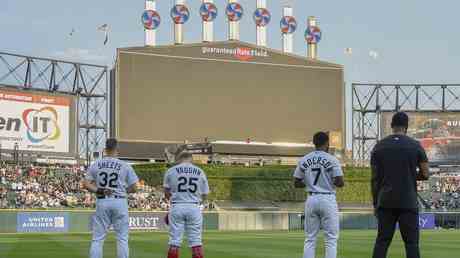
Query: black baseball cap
[(111, 144), (320, 139), (400, 119)]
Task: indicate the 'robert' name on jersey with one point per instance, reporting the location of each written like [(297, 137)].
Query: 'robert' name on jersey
[(188, 170), (316, 161), (109, 164)]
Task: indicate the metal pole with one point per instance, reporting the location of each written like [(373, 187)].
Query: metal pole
[(107, 128), (353, 123), (88, 158), (377, 111), (363, 136), (443, 87)]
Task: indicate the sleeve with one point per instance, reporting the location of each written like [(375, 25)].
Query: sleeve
[(421, 154), (204, 187), (91, 173), (166, 182), (299, 173), (336, 168), (132, 177), (375, 177)]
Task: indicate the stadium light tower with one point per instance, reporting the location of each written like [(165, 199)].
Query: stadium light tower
[(234, 13), (150, 34), (288, 27), (312, 36), (208, 12), (181, 16), (261, 29)]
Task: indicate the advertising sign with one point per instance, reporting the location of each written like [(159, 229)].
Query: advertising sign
[(438, 133), (143, 221), (33, 122), (426, 221), (240, 53), (42, 222)]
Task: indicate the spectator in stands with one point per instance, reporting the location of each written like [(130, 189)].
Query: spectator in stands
[(59, 186)]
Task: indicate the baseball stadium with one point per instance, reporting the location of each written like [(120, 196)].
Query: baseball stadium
[(242, 115)]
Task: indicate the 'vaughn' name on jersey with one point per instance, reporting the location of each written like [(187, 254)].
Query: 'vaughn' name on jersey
[(186, 182)]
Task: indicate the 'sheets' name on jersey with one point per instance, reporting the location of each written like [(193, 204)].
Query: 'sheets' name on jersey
[(109, 164), (316, 160), (188, 170)]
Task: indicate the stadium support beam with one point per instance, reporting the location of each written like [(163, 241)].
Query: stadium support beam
[(88, 82), (370, 101)]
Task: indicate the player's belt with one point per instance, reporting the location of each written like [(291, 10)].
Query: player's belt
[(111, 196), (313, 193)]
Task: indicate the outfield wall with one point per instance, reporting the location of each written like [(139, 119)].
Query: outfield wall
[(12, 221)]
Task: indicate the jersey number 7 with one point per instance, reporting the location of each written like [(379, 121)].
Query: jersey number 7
[(191, 182), (318, 173)]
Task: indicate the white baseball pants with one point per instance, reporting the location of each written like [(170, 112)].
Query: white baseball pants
[(188, 218), (110, 212), (321, 211)]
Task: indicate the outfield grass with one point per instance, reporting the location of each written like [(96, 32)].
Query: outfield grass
[(353, 244)]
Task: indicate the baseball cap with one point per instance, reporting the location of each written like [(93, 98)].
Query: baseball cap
[(111, 143), (320, 138), (400, 119)]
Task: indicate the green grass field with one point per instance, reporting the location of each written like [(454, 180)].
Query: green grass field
[(353, 244)]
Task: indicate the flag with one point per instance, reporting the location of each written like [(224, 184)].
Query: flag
[(348, 51), (104, 28), (374, 54)]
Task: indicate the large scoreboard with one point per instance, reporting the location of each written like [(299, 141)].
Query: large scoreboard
[(229, 91)]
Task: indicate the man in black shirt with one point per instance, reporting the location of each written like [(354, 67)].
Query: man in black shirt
[(397, 162)]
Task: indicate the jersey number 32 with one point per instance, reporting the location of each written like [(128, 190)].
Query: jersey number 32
[(108, 179)]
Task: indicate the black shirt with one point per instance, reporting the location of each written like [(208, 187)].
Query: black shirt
[(394, 162)]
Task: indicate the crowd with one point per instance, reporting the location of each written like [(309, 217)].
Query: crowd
[(441, 192), (45, 187)]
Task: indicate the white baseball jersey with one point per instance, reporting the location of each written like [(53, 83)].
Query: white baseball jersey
[(186, 182), (113, 174), (116, 175), (317, 169)]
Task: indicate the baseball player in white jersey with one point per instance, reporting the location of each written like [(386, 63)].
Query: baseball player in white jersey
[(186, 186), (111, 179), (320, 173)]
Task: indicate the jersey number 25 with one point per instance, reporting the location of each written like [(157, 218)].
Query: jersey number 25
[(187, 185)]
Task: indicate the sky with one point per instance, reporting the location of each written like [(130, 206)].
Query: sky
[(392, 41)]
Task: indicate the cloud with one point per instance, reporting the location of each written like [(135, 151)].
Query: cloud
[(287, 2), (79, 54)]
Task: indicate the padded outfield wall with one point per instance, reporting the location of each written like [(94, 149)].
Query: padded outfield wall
[(23, 221), (224, 91)]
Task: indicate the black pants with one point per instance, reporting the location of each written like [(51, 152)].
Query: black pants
[(408, 225)]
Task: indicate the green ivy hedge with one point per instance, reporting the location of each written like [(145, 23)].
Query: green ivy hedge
[(267, 183)]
